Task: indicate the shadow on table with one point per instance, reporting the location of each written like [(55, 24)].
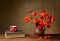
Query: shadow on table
[(55, 36)]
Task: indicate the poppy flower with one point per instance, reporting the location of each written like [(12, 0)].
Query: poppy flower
[(30, 11), (42, 11), (26, 19), (48, 16), (53, 19), (35, 14), (39, 27), (41, 17), (43, 14), (35, 20), (44, 23)]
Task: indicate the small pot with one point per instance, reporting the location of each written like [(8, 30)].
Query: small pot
[(13, 28)]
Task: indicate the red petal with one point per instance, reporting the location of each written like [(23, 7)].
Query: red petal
[(48, 26), (35, 20), (43, 14), (45, 36), (49, 22), (30, 11), (35, 14), (40, 23), (42, 11), (44, 23), (47, 15), (39, 27), (53, 19), (42, 18), (26, 19)]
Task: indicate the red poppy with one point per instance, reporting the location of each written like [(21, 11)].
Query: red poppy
[(53, 19), (35, 20), (44, 23), (43, 14), (42, 11), (48, 16), (26, 19), (35, 14), (39, 27), (41, 22), (30, 11), (41, 17)]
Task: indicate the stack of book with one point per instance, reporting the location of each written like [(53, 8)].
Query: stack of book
[(18, 33)]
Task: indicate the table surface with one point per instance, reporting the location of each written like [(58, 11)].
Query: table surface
[(53, 38)]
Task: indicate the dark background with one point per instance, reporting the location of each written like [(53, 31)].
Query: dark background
[(12, 12)]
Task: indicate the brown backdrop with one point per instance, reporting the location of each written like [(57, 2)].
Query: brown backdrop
[(12, 12)]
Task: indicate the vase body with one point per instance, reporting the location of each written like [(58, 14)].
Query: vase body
[(39, 32)]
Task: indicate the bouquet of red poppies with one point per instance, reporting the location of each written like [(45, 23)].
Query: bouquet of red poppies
[(42, 18)]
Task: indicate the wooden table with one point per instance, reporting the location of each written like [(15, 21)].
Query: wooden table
[(54, 38)]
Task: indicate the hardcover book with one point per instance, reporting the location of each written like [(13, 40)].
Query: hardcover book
[(18, 33)]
